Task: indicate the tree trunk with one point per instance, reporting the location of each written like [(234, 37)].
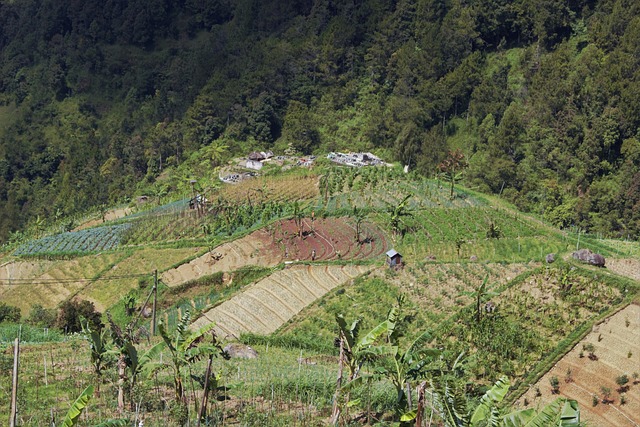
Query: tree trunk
[(121, 379), (420, 408), (335, 415)]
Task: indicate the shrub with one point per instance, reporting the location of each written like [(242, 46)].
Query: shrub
[(72, 311), (555, 385), (9, 313), (42, 317), (622, 381)]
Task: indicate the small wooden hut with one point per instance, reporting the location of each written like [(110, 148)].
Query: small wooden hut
[(394, 259)]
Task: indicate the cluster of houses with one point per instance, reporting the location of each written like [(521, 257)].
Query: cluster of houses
[(355, 159), (257, 159)]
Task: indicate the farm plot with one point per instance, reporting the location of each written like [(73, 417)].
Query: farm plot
[(50, 282), (615, 345), (76, 242), (125, 274), (254, 249), (441, 286), (328, 238), (530, 318), (629, 267), (281, 188), (265, 306), (488, 234)]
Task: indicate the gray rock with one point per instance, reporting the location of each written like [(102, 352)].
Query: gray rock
[(550, 258), (240, 351), (588, 257)]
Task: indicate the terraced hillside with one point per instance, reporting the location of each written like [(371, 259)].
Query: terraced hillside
[(102, 278), (616, 343), (322, 240), (270, 303)]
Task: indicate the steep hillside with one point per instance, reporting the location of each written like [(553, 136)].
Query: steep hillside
[(99, 104), (273, 261)]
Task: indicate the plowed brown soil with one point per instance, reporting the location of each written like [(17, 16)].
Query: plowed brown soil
[(319, 240)]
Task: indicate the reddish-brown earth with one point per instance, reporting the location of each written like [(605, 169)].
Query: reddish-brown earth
[(322, 239)]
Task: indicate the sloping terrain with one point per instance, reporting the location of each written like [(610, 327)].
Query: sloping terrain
[(321, 240), (250, 250), (102, 278), (616, 344), (270, 303)]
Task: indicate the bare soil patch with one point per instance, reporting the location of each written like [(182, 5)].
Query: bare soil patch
[(629, 267), (321, 239), (617, 348)]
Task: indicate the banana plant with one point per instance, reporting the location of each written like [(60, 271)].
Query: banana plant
[(399, 366), (380, 347), (397, 213), (187, 347), (452, 406), (78, 406), (130, 364), (74, 412), (99, 350)]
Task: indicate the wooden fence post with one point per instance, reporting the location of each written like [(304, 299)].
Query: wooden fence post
[(155, 299), (14, 389)]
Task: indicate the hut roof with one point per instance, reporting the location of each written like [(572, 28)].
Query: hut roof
[(391, 253)]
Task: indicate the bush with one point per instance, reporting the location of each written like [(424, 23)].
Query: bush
[(71, 312), (41, 317), (9, 313)]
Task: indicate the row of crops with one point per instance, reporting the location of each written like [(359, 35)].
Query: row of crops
[(84, 241), (378, 188)]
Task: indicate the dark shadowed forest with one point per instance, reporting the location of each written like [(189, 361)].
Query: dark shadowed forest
[(99, 99)]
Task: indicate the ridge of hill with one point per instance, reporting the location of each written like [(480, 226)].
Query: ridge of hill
[(100, 104)]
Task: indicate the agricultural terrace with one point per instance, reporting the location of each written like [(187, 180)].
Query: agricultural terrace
[(323, 239), (92, 240), (101, 278), (600, 372), (531, 318), (268, 304), (226, 265)]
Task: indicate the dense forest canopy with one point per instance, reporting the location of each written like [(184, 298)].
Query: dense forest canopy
[(97, 99)]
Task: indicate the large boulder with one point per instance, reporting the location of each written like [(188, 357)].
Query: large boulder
[(588, 257), (240, 351)]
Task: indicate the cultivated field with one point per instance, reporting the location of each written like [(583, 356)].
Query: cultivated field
[(616, 344), (265, 306), (323, 239)]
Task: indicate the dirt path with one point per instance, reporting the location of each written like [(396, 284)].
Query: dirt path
[(270, 303), (617, 347)]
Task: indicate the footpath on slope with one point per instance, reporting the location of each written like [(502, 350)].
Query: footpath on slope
[(268, 304)]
